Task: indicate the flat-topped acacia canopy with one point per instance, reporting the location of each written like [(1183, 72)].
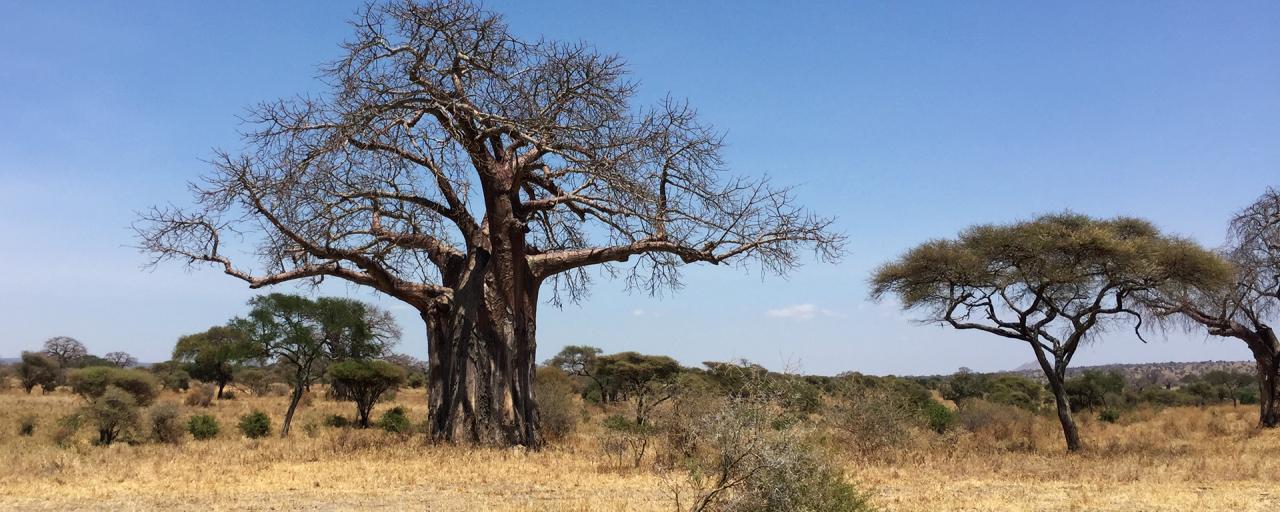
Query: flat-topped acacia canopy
[(1050, 282)]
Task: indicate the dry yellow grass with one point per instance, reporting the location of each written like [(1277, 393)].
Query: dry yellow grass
[(1175, 459)]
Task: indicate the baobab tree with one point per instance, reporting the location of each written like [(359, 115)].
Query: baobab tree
[(65, 350), (470, 173), (1245, 306), (1052, 283)]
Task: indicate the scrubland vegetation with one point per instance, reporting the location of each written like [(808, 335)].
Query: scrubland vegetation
[(764, 441), (475, 176)]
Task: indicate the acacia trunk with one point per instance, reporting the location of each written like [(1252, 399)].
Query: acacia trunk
[(481, 363), (1069, 431), (293, 406), (1056, 372)]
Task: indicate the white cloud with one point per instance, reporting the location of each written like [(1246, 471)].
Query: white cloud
[(800, 312), (638, 312)]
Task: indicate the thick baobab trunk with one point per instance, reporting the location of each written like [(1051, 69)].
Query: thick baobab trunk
[(1266, 357), (1268, 374), (481, 364)]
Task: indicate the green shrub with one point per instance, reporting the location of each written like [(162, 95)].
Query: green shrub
[(337, 421), (203, 426), (93, 382), (115, 413), (1109, 415), (938, 417), (395, 421), (255, 425), (164, 426)]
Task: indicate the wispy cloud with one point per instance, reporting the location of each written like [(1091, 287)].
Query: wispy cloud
[(639, 312), (801, 312)]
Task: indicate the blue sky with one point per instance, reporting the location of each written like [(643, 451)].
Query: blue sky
[(908, 121)]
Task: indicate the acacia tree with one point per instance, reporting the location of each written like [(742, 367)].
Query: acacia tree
[(580, 361), (37, 369), (1051, 283), (646, 380), (212, 356), (466, 172), (1245, 306)]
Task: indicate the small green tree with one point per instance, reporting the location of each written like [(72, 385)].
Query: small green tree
[(38, 370), (1232, 384), (645, 380), (172, 376), (966, 384), (1090, 389), (363, 382), (580, 361), (114, 413)]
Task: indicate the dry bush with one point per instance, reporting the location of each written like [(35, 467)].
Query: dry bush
[(68, 427), (871, 420), (558, 408), (164, 426), (199, 396), (27, 425), (625, 442), (1001, 425), (279, 389), (746, 454)]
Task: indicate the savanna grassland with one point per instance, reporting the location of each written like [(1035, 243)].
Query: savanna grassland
[(1178, 458)]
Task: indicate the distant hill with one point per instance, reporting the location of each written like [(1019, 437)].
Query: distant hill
[(1148, 373)]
